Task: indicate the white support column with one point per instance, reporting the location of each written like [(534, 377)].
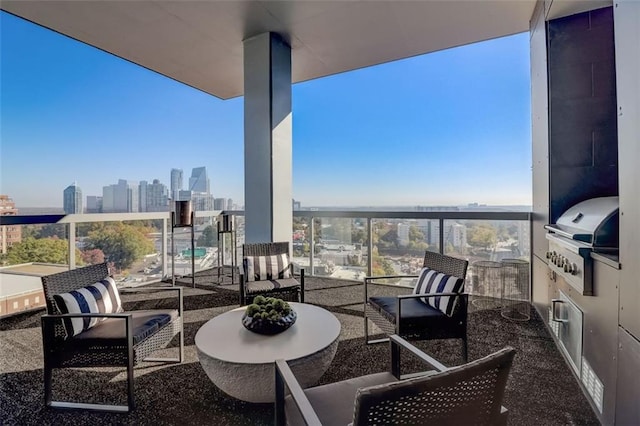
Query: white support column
[(267, 139)]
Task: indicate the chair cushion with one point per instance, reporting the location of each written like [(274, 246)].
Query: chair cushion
[(271, 285), (417, 317), (113, 331), (334, 403), (433, 282), (98, 298), (260, 268)]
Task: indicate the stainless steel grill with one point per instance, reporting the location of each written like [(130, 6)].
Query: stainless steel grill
[(591, 225)]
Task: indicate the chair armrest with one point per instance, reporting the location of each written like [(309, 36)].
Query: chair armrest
[(367, 280), (143, 289), (396, 342), (51, 317), (180, 291), (285, 377), (381, 277)]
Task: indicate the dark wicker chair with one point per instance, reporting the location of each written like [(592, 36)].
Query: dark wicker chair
[(107, 344), (407, 316), (288, 289), (468, 394)]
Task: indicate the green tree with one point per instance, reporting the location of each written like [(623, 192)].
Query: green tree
[(482, 235), (46, 250), (381, 266), (416, 234), (121, 243), (208, 238)]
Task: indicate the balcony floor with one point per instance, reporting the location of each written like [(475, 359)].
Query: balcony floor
[(541, 388)]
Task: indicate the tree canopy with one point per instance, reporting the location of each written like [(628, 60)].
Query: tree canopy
[(209, 237), (482, 235), (121, 243), (46, 250)]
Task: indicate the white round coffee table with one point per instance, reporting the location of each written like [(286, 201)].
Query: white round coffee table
[(241, 363)]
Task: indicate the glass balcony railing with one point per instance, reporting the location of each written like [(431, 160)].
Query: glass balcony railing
[(339, 244)]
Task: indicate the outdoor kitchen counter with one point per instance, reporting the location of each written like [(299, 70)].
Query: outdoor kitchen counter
[(612, 260)]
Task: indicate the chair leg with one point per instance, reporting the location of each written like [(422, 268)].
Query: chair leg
[(47, 384), (366, 329), (181, 349), (464, 348), (279, 413), (130, 394), (301, 285), (366, 334)]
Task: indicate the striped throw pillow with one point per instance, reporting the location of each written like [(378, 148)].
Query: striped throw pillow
[(99, 298), (261, 268), (430, 282)]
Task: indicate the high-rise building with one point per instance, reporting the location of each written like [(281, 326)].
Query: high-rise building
[(524, 238), (94, 204), (296, 205), (454, 233), (121, 197), (201, 198), (142, 196), (219, 204), (9, 234), (72, 199), (403, 234), (229, 204), (199, 182), (201, 201), (176, 183), (157, 197)]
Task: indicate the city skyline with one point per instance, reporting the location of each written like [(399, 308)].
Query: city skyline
[(448, 128), (145, 196)]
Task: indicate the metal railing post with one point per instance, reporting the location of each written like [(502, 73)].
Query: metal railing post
[(370, 247), (72, 245), (163, 248), (441, 234), (313, 247)]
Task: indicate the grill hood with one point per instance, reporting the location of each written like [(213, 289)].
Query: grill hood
[(594, 221)]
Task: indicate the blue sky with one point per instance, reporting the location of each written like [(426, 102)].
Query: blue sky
[(451, 127)]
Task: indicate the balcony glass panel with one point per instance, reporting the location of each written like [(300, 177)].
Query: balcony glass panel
[(133, 248), (399, 246), (487, 239), (41, 243), (340, 247), (301, 237)]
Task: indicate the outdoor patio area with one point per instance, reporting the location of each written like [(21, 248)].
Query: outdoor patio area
[(541, 388)]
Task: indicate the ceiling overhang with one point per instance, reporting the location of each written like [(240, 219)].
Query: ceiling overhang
[(199, 43)]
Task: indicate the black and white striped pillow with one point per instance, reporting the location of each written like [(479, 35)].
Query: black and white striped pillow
[(430, 282), (261, 268), (99, 298)]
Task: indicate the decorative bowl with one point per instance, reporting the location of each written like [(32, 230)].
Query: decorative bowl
[(268, 315), (267, 326)]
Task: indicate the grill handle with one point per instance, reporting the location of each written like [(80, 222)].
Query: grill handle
[(554, 304)]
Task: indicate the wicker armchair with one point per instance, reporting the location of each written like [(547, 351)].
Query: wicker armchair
[(468, 394), (287, 288), (122, 339), (409, 317)]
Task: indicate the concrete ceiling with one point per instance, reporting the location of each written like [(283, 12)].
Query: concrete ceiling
[(199, 43)]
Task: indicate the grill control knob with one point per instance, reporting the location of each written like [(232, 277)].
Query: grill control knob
[(574, 269), (548, 254), (567, 268)]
